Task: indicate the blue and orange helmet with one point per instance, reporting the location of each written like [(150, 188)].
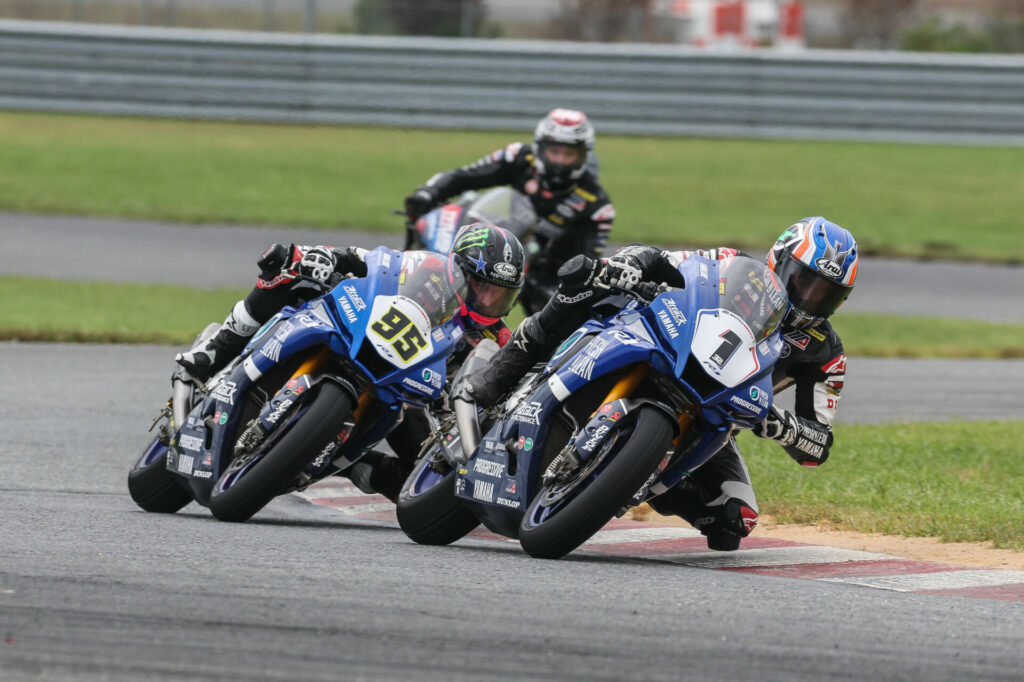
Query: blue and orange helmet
[(816, 260)]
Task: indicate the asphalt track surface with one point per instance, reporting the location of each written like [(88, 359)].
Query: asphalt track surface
[(224, 256), (93, 589)]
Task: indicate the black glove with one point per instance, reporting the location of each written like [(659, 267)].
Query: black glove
[(420, 201), (273, 260), (318, 263)]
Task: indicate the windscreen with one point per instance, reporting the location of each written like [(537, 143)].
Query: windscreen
[(504, 207), (432, 280), (750, 290)]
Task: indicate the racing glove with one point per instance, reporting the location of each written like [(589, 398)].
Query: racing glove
[(621, 272), (420, 201), (318, 263), (273, 260), (806, 441)]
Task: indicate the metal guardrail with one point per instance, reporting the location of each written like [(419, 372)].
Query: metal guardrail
[(485, 84)]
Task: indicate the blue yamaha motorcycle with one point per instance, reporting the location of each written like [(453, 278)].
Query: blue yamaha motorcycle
[(624, 409), (313, 391)]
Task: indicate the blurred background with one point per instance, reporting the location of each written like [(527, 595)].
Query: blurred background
[(923, 25)]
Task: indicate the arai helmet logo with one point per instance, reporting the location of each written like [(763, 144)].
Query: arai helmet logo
[(506, 270), (829, 268)]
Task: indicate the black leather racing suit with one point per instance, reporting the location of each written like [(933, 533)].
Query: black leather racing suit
[(574, 221)]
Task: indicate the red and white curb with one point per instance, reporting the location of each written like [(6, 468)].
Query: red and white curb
[(765, 556)]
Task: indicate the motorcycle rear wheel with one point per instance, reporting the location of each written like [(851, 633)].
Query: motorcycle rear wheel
[(574, 522), (279, 466), (152, 486), (428, 510)]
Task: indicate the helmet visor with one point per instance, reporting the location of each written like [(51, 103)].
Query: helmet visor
[(809, 290), (490, 300), (563, 155)]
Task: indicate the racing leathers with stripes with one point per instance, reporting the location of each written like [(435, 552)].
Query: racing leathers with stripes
[(717, 498), (577, 220)]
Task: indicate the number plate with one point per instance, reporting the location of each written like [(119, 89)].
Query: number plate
[(400, 330), (724, 345)]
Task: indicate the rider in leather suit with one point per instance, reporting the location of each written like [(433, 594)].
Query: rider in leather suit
[(816, 260), (554, 173), (492, 260)]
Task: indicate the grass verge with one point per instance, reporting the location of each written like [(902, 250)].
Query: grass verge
[(36, 309), (957, 481), (50, 310), (913, 200)]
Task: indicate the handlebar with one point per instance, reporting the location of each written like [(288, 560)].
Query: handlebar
[(645, 292)]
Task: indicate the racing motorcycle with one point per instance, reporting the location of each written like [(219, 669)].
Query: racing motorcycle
[(625, 408), (315, 388)]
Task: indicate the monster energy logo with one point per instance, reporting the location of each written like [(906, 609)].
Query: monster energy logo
[(477, 237)]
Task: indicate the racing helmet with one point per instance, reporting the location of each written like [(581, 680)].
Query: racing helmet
[(494, 262), (816, 261), (561, 144)]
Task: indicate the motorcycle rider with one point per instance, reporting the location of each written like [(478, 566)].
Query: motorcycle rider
[(815, 260), (491, 258), (562, 186)]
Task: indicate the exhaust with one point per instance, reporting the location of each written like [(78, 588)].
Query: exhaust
[(465, 409)]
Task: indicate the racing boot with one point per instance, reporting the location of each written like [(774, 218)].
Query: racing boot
[(723, 521), (203, 361), (377, 473)]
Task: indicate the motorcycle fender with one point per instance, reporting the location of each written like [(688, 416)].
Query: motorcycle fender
[(601, 425)]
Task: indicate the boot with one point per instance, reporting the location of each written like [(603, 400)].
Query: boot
[(207, 359)]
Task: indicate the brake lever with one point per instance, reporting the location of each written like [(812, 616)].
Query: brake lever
[(645, 292)]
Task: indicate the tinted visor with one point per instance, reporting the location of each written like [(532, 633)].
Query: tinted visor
[(810, 291), (490, 300)]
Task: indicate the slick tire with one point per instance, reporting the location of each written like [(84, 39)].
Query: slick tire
[(154, 488), (585, 514), (279, 466), (433, 516)]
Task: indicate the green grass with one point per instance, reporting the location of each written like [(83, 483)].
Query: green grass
[(934, 337), (916, 200), (53, 310), (958, 481)]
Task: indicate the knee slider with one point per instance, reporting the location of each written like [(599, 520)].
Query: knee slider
[(737, 518)]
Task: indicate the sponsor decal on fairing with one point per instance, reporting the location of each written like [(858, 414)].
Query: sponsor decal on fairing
[(528, 413), (483, 490), (225, 392), (489, 468)]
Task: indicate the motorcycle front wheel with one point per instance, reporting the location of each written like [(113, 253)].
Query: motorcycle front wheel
[(428, 510), (152, 486), (243, 490), (558, 521)]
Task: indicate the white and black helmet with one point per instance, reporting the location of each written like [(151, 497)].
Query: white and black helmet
[(562, 127)]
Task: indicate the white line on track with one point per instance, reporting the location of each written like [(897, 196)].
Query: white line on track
[(949, 580), (769, 556)]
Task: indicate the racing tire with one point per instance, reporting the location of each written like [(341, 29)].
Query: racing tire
[(152, 486), (432, 515), (624, 472), (287, 456)]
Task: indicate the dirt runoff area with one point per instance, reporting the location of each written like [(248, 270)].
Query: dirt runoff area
[(921, 549)]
